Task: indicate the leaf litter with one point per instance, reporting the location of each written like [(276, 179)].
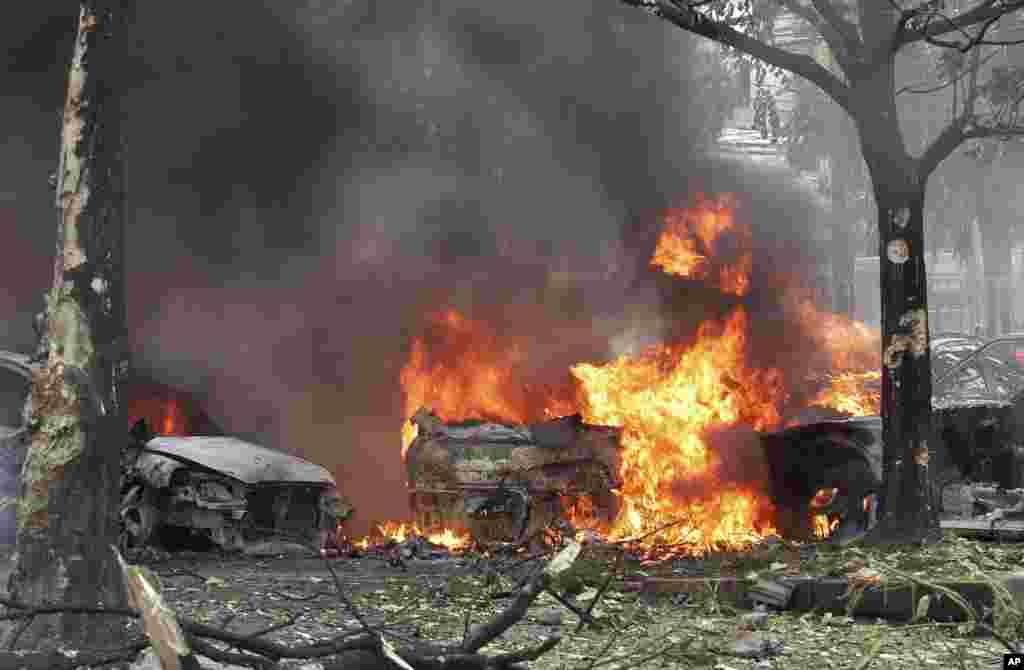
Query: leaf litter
[(439, 599)]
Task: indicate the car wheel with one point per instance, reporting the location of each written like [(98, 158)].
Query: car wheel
[(138, 517), (854, 482)]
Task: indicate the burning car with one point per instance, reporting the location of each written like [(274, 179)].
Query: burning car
[(506, 483), (832, 467), (222, 489)]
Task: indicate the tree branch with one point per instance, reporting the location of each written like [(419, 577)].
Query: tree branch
[(960, 130), (847, 31), (685, 17), (984, 11), (938, 87), (485, 633), (942, 146), (980, 132), (837, 44), (55, 660)]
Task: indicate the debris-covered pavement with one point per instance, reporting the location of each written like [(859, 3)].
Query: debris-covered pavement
[(435, 596)]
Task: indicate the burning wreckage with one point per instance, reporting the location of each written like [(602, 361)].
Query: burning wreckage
[(834, 466), (219, 488), (507, 483), (501, 482)]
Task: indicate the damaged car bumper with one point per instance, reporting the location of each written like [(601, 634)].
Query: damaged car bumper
[(225, 490)]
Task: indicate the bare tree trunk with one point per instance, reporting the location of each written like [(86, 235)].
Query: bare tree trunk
[(907, 511), (68, 488)]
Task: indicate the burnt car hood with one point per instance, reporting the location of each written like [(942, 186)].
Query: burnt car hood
[(245, 461)]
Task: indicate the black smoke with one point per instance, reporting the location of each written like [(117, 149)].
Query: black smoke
[(307, 180)]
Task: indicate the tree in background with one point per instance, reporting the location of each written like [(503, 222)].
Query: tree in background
[(68, 488), (820, 139), (971, 206), (864, 39)]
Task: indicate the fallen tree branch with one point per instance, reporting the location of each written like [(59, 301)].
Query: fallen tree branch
[(55, 660), (486, 633), (262, 654), (228, 657), (619, 561), (301, 599), (582, 615), (454, 661)]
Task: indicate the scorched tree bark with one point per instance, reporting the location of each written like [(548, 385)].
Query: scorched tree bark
[(68, 488), (864, 37)]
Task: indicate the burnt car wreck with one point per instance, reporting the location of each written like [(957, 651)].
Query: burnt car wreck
[(506, 483), (224, 490), (978, 428)]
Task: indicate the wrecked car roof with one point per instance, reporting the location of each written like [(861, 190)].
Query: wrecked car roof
[(242, 460), (561, 432)]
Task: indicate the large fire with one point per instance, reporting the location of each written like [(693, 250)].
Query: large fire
[(667, 399), (850, 350), (670, 399), (705, 242)]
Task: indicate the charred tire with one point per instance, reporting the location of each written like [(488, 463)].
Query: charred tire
[(835, 461), (139, 518), (854, 481)]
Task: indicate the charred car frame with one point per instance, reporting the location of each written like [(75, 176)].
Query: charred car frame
[(978, 433), (220, 488), (506, 483)]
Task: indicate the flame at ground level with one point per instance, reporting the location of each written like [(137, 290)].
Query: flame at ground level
[(669, 399), (395, 531), (666, 400)]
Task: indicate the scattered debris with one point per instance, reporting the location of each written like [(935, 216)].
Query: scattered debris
[(755, 620), (753, 645), (771, 592), (550, 617)]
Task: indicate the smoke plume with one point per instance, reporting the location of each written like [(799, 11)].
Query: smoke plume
[(308, 181)]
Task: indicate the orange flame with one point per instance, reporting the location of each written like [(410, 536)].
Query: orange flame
[(666, 399), (693, 242), (853, 393), (394, 531), (172, 423), (824, 526), (464, 369), (852, 352), (669, 399)]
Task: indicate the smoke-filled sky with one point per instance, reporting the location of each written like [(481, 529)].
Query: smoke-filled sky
[(307, 180)]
